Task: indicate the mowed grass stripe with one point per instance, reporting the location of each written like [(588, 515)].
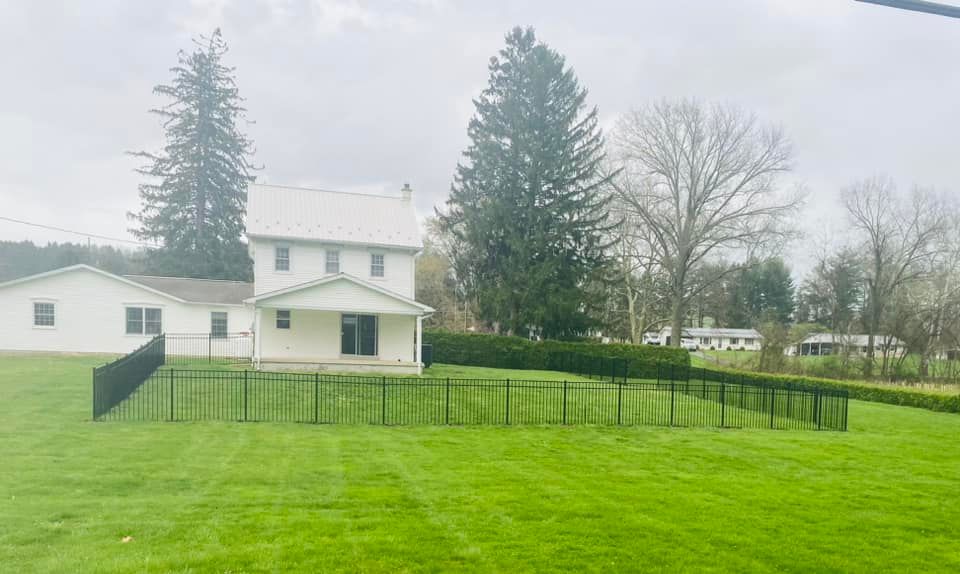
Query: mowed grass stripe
[(280, 397), (210, 496)]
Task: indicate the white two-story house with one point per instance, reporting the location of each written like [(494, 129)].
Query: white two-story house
[(333, 288), (334, 279)]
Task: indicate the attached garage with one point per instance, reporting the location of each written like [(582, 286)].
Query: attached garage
[(83, 309)]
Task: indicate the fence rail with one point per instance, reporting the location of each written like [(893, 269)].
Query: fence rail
[(190, 395), (226, 348), (115, 382)]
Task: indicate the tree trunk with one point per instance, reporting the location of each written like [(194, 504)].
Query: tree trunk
[(631, 309), (676, 321)]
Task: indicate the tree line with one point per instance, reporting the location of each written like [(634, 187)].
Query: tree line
[(678, 217)]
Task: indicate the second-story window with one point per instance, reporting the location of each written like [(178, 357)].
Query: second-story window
[(376, 265), (333, 262), (281, 259)]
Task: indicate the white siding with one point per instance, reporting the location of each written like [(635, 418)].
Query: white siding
[(314, 336), (340, 295), (308, 263), (90, 314)]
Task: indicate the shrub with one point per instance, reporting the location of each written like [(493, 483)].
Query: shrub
[(857, 390), (499, 351)]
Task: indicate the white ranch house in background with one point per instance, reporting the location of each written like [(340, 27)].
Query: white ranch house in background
[(723, 339), (333, 288), (819, 344)]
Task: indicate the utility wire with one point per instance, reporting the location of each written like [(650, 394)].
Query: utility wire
[(83, 233), (919, 6)]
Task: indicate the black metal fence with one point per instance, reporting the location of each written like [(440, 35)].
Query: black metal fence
[(116, 381), (227, 348), (192, 395)]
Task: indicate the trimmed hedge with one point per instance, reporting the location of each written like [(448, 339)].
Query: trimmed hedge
[(861, 391), (503, 352)]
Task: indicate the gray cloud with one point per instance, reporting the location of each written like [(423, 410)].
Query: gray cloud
[(367, 95)]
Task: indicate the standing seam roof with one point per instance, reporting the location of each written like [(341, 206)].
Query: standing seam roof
[(332, 216)]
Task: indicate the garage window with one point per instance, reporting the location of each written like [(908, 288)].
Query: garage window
[(144, 321), (44, 315)]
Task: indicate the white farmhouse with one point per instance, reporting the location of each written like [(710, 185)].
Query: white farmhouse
[(333, 289)]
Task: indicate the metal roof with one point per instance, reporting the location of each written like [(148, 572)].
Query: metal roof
[(331, 216), (211, 291), (705, 332), (857, 340)]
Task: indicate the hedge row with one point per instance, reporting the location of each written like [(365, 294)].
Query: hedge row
[(874, 393), (498, 351)]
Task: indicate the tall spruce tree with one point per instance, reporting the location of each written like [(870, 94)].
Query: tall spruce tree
[(527, 207), (195, 198)]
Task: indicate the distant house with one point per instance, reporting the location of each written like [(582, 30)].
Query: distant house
[(333, 288), (819, 344), (720, 339)]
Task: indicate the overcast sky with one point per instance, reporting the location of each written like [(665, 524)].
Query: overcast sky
[(367, 95)]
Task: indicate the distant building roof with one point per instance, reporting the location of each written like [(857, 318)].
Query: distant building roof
[(705, 332), (852, 340), (198, 290), (331, 216)]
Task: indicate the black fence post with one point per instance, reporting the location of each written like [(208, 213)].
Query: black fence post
[(383, 403), (773, 391), (564, 402), (316, 398), (94, 379), (816, 410), (246, 394), (673, 392), (508, 402), (723, 406), (171, 395), (619, 403), (447, 408)]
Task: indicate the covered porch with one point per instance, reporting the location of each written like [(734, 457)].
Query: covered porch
[(338, 324)]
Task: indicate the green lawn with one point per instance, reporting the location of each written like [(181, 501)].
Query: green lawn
[(229, 497)]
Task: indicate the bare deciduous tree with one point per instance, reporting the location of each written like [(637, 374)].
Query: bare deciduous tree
[(637, 274), (899, 240), (702, 180)]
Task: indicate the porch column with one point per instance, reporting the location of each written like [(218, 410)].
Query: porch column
[(257, 340), (416, 348)]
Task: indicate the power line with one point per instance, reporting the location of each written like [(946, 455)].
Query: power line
[(83, 233), (919, 6)]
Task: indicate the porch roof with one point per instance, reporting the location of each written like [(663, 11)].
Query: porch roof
[(341, 292)]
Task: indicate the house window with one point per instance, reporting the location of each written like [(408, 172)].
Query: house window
[(333, 262), (283, 318), (376, 265), (144, 321), (281, 260), (358, 335), (44, 315), (704, 340), (748, 342), (734, 341), (218, 324)]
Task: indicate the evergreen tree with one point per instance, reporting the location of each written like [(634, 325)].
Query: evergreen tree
[(195, 198), (526, 206), (761, 292)]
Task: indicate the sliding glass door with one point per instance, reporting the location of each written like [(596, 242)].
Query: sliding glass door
[(358, 335)]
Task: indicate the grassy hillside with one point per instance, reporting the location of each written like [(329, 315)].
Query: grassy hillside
[(228, 497)]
